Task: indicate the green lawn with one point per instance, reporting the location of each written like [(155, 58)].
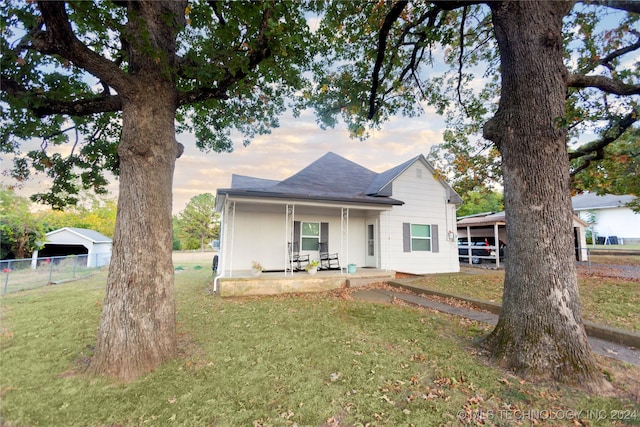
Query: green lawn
[(608, 301), (306, 360)]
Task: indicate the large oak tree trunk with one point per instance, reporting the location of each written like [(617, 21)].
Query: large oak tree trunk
[(540, 332), (137, 329)]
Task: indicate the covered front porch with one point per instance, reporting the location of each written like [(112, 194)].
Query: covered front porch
[(275, 234), (244, 283)]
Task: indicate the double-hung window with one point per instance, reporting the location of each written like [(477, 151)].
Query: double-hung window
[(420, 237), (310, 235)]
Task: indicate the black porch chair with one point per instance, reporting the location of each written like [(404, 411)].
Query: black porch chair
[(328, 261), (296, 258)]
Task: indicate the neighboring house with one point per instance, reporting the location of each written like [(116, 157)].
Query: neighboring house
[(399, 220), (492, 226), (76, 241), (608, 217)]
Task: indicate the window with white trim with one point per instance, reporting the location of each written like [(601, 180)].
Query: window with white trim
[(310, 236), (420, 237)]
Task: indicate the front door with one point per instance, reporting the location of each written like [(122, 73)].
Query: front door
[(372, 244)]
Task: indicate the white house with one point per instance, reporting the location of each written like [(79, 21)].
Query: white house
[(403, 219), (76, 241), (609, 217)]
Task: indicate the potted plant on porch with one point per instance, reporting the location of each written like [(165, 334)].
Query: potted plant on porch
[(256, 268), (312, 267)]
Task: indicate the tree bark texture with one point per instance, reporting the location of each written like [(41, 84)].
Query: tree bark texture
[(540, 332), (137, 329)]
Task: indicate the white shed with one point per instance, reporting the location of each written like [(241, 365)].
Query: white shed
[(77, 241)]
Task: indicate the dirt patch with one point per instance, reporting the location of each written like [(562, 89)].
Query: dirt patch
[(631, 272)]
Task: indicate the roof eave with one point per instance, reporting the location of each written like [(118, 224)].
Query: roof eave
[(304, 197)]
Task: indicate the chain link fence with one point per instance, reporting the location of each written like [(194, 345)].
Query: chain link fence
[(22, 274)]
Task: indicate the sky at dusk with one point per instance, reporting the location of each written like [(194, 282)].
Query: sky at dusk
[(289, 148), (297, 143)]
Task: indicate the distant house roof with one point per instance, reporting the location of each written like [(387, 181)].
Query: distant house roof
[(589, 200), (491, 218), (488, 218), (90, 235), (330, 178)]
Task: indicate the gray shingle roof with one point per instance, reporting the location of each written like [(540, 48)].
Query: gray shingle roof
[(594, 201), (330, 178), (249, 182), (332, 175), (91, 235)]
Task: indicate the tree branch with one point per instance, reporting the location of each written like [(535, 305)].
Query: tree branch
[(622, 51), (256, 56), (626, 5), (418, 46), (603, 83), (81, 107), (595, 150), (43, 106), (389, 20), (460, 57), (606, 61), (391, 17), (214, 5), (59, 39)]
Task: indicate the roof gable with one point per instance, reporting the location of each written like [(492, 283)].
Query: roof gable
[(382, 184), (85, 233)]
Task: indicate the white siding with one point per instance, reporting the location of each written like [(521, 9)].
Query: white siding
[(98, 254), (621, 222), (68, 238), (259, 235), (425, 202)]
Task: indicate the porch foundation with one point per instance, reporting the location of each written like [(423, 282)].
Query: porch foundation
[(278, 283)]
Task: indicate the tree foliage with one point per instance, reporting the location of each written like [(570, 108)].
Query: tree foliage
[(517, 82), (616, 172), (104, 87), (479, 201), (91, 212), (199, 223), (20, 231), (244, 58), (444, 54)]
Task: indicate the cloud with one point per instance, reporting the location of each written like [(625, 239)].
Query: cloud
[(297, 143)]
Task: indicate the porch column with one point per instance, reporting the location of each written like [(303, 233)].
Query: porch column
[(344, 228), (227, 243), (469, 250), (288, 233), (497, 242), (34, 259)]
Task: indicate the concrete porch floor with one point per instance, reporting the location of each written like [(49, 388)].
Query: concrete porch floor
[(243, 283)]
